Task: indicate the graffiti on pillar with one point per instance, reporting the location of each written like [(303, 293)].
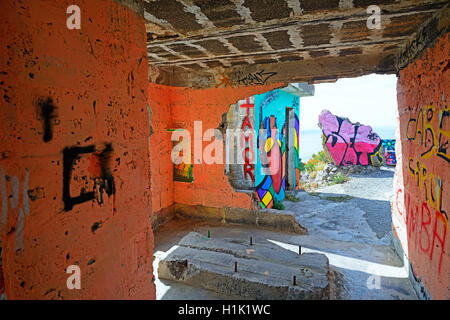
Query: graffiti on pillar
[(270, 167), (434, 139), (297, 152), (389, 151), (272, 150), (183, 172), (99, 171), (248, 142), (348, 143), (422, 206)]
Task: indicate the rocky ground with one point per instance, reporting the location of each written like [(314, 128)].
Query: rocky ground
[(331, 174)]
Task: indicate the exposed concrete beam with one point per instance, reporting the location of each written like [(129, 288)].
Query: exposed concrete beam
[(321, 69), (427, 35)]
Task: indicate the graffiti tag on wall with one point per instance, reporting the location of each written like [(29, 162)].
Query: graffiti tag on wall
[(240, 78), (425, 218), (247, 136), (421, 130), (348, 143)]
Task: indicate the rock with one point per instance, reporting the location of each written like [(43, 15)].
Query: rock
[(344, 139)]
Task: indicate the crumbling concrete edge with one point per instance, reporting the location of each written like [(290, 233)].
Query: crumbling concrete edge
[(419, 287), (265, 218), (161, 217), (426, 37), (135, 5)]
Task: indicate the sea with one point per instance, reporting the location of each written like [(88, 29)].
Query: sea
[(311, 140)]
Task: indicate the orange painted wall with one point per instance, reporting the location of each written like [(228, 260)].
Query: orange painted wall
[(159, 101), (420, 206), (211, 186), (174, 107), (96, 78)]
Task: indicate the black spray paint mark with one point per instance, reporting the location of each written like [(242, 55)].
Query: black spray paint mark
[(104, 183), (69, 156), (47, 112)]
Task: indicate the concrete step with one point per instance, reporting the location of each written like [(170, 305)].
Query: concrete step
[(264, 271)]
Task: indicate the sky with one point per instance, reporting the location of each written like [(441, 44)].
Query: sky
[(369, 100)]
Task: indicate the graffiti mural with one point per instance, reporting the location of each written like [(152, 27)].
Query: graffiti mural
[(348, 143), (389, 151), (270, 168), (297, 153), (272, 149)]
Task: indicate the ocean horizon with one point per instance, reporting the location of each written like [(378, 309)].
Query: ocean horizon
[(311, 140)]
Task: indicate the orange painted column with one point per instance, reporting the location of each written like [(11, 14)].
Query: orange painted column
[(74, 160), (421, 202)]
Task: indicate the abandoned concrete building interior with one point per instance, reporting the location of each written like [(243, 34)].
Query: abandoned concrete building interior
[(93, 93)]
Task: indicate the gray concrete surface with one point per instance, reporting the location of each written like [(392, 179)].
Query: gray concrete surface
[(349, 223), (264, 270)]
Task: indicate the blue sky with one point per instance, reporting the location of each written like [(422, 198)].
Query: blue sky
[(369, 100)]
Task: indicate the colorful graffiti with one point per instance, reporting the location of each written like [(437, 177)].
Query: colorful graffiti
[(389, 151), (270, 169), (348, 143), (420, 129), (183, 172), (422, 208), (272, 150), (297, 153), (247, 137)]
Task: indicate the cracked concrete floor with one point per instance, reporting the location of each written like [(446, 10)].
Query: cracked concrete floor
[(350, 223)]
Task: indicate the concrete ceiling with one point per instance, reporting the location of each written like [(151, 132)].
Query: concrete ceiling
[(222, 43)]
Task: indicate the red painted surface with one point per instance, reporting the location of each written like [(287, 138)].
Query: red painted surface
[(95, 82), (248, 154), (422, 200), (179, 108)]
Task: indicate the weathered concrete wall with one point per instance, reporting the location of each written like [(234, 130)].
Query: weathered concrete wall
[(74, 164), (349, 143), (422, 198)]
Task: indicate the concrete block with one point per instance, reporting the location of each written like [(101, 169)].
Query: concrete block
[(264, 271)]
